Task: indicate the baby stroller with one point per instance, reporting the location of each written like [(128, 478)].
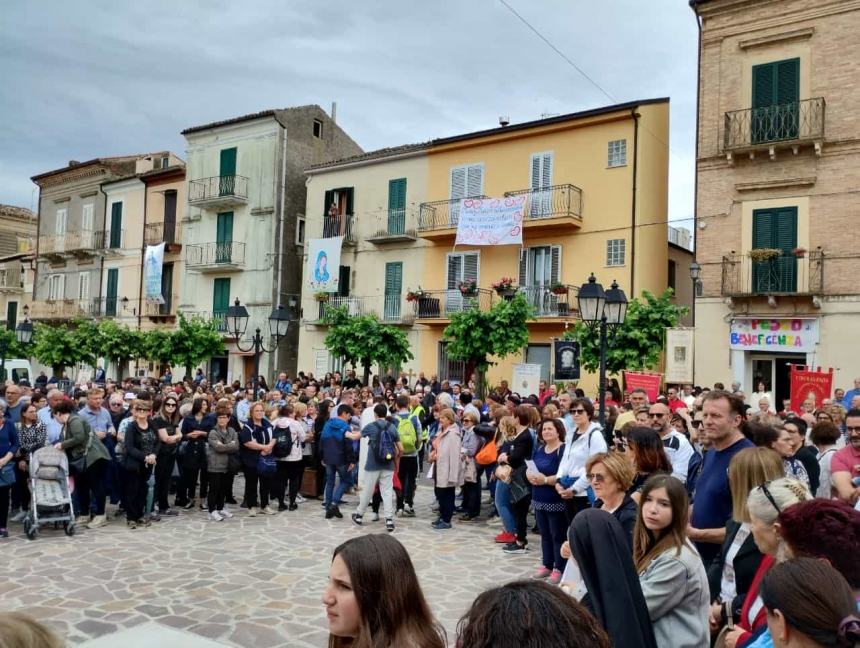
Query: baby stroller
[(51, 499)]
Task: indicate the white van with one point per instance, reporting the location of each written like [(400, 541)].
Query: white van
[(19, 370)]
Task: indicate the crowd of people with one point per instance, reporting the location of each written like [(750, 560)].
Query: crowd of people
[(705, 519)]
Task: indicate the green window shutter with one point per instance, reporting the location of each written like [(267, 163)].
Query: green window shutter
[(11, 315), (397, 206), (349, 200), (762, 228), (224, 237), (394, 278), (228, 162), (111, 292), (115, 225), (329, 199), (221, 296), (787, 81), (764, 90), (776, 229), (343, 281)]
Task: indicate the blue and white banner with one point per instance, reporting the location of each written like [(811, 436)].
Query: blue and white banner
[(323, 269), (153, 261)]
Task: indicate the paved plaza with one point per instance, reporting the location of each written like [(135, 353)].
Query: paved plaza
[(186, 582)]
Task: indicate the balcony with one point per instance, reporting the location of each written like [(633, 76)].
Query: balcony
[(114, 241), (439, 305), (390, 309), (558, 206), (165, 312), (340, 225), (11, 279), (167, 233), (63, 309), (770, 128), (439, 218), (218, 192), (549, 304), (226, 256), (83, 243), (393, 227), (784, 274)]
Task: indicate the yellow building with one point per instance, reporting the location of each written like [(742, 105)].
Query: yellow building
[(597, 185)]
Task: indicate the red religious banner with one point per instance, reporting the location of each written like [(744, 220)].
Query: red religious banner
[(808, 385), (650, 382)]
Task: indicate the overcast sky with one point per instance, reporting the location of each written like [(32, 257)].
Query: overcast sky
[(94, 78)]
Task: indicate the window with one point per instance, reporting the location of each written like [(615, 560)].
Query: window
[(343, 281), (168, 233), (87, 241), (111, 292), (60, 224), (84, 286), (775, 229), (617, 153), (671, 275), (337, 212), (466, 182), (540, 181), (224, 237), (221, 300), (318, 128), (775, 96), (397, 206), (393, 288), (115, 234), (11, 315), (540, 266), (300, 229), (56, 286), (462, 266), (615, 252)]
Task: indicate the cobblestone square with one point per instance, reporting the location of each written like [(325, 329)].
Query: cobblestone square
[(242, 582)]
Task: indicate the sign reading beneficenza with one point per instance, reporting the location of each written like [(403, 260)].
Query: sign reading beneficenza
[(796, 334), (491, 221)]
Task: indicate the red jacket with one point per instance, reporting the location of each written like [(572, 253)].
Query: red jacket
[(751, 626)]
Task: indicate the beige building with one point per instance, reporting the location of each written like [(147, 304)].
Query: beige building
[(381, 254), (776, 190), (678, 272), (17, 239)]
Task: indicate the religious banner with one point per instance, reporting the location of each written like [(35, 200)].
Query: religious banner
[(153, 262), (526, 379), (679, 355), (565, 360), (785, 334), (323, 267), (491, 221), (808, 385), (650, 382)]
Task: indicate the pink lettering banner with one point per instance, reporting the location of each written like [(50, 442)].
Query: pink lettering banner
[(491, 221)]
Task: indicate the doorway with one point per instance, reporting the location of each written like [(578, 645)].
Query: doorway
[(774, 371), (218, 369)]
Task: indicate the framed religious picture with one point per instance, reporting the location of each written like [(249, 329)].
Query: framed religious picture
[(565, 360)]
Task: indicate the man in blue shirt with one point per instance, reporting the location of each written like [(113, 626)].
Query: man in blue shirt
[(283, 384), (722, 416), (96, 415), (851, 393), (46, 416), (243, 407), (338, 457)]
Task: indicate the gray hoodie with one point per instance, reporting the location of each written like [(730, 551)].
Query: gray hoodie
[(222, 442), (676, 593)]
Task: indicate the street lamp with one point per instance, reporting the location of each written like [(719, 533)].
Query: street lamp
[(279, 323), (695, 271), (23, 333), (602, 310)]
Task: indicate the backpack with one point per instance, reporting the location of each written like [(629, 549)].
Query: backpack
[(408, 433), (385, 448), (283, 442)]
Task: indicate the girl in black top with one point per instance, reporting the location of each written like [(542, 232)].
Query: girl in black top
[(514, 454), (166, 424), (141, 450)]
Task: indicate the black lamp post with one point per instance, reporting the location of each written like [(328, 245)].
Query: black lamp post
[(279, 323), (23, 333), (695, 271), (602, 310)]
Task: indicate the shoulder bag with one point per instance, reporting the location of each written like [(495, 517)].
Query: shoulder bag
[(7, 474), (78, 465)]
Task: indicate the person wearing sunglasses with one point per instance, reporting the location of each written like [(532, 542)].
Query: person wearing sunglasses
[(845, 465), (166, 422), (678, 449), (141, 450), (585, 441), (765, 504)]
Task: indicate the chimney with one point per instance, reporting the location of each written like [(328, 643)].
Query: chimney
[(334, 111), (504, 121), (73, 163)]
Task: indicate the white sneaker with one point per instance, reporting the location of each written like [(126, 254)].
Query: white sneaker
[(375, 517), (215, 516), (252, 512), (299, 499), (268, 511), (97, 521), (19, 516), (224, 513)]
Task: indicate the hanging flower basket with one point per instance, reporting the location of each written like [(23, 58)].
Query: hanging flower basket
[(415, 295), (504, 286), (558, 289), (764, 254), (321, 296), (468, 288), (799, 252)]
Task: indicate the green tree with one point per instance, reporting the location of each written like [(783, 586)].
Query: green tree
[(475, 335), (87, 340), (119, 343), (13, 348), (55, 346), (638, 342), (364, 340), (157, 345), (195, 340)]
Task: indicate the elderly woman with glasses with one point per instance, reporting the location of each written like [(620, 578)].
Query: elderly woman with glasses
[(141, 450), (585, 441), (166, 423)]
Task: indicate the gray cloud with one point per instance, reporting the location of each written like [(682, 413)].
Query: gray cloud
[(90, 78)]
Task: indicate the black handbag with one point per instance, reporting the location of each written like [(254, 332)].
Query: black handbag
[(78, 465), (519, 485), (7, 474), (234, 464)]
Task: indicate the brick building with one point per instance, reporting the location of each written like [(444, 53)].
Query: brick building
[(778, 150)]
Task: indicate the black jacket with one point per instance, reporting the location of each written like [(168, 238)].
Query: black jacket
[(134, 453), (626, 515), (746, 564)]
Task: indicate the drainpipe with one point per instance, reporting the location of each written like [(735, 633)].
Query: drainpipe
[(142, 258), (281, 224), (635, 116), (696, 181), (38, 236), (103, 242)]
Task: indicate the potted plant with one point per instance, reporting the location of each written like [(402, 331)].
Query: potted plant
[(799, 252), (759, 255), (468, 288), (504, 286), (321, 296), (415, 295), (558, 288)]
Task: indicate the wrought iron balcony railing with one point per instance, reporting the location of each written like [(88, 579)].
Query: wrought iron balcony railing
[(155, 233), (167, 309), (80, 242), (551, 202), (218, 189), (784, 274), (340, 225), (396, 225), (795, 121), (440, 214), (441, 304), (213, 255), (551, 304), (392, 309)]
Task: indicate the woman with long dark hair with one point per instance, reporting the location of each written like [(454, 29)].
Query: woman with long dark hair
[(195, 434), (649, 457), (671, 572), (373, 598)]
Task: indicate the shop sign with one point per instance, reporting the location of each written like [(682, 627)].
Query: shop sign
[(797, 335)]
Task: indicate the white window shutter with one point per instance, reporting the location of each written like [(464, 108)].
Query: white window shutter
[(62, 286), (555, 265), (546, 171), (535, 178), (455, 269), (458, 183), (61, 222), (87, 217), (470, 266), (84, 286), (474, 180), (524, 258)]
